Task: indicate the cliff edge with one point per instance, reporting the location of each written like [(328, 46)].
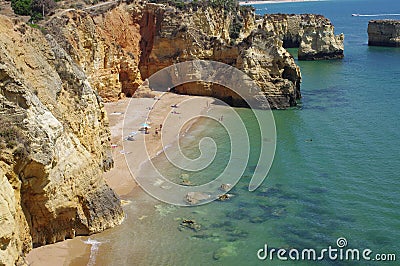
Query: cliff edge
[(54, 146), (121, 47), (54, 134)]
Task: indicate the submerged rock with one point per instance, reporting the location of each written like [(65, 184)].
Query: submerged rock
[(189, 224), (196, 197), (186, 182), (164, 209), (257, 220), (211, 237), (222, 224), (225, 187), (223, 252), (238, 233), (238, 214)]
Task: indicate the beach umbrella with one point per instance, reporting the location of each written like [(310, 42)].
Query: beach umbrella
[(145, 125)]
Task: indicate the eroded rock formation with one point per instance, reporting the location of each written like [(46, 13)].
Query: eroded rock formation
[(124, 46), (120, 48), (384, 33), (54, 146), (57, 143), (106, 46), (228, 37), (312, 34)]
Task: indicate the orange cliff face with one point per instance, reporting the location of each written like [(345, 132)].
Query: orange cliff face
[(107, 47), (54, 146), (119, 48), (122, 47), (231, 37)]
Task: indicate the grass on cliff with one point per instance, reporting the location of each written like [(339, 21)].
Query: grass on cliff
[(12, 137), (227, 5)]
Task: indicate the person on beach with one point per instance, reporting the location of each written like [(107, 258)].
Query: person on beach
[(146, 130)]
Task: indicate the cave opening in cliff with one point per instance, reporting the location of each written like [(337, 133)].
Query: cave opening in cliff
[(211, 90), (291, 42)]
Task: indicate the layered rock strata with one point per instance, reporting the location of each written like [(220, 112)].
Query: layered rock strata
[(54, 138), (54, 146), (106, 46), (384, 33), (176, 37), (312, 34), (121, 47), (124, 46)]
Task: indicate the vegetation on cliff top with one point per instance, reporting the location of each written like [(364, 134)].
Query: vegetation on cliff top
[(37, 9), (227, 5)]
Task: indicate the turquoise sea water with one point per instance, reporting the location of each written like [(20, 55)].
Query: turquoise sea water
[(343, 183)]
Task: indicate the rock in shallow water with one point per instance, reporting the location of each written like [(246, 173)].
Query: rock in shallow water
[(189, 224), (223, 252), (196, 197)]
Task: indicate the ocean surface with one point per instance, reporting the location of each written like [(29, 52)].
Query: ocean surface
[(345, 183)]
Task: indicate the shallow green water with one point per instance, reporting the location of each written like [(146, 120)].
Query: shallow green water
[(343, 183)]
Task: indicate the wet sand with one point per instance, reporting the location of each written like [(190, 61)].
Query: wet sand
[(76, 251)]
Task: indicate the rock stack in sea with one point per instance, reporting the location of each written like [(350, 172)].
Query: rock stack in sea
[(384, 33), (55, 141), (314, 35)]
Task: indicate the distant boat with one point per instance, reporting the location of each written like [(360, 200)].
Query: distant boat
[(373, 15)]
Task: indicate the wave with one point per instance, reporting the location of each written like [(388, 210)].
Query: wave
[(374, 15), (93, 250)]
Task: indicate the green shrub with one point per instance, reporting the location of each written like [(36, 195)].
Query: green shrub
[(10, 134), (21, 7), (34, 8)]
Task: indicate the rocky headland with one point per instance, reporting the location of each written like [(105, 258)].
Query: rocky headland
[(54, 146), (54, 136), (120, 48), (384, 33)]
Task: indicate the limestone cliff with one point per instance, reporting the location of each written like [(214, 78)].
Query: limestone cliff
[(228, 37), (384, 33), (54, 146), (106, 46), (312, 34), (121, 47)]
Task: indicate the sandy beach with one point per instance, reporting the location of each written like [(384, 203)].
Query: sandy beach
[(129, 114), (133, 145), (273, 2)]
